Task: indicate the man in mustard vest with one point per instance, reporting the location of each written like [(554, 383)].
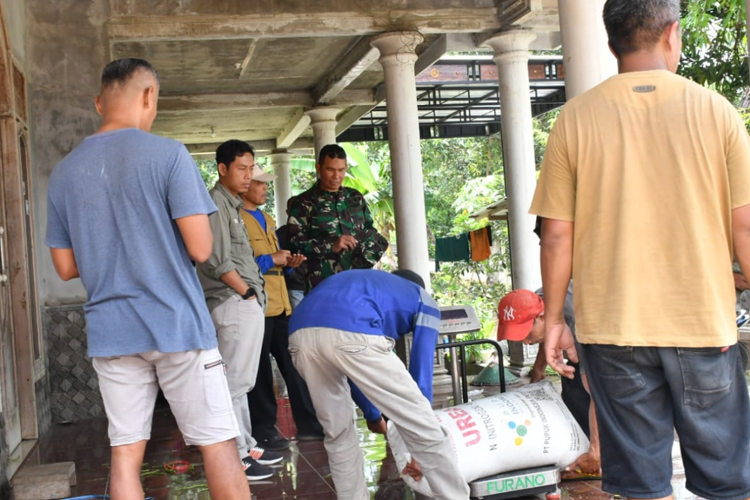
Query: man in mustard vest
[(273, 263)]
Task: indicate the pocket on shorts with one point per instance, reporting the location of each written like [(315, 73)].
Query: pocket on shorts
[(216, 390), (706, 375), (351, 347), (385, 345), (615, 368)]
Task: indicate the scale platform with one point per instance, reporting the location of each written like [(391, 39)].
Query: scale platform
[(516, 483)]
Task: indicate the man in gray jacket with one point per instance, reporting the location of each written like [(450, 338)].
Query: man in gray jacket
[(233, 286)]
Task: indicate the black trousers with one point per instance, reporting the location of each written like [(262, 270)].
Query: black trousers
[(262, 400), (576, 398)]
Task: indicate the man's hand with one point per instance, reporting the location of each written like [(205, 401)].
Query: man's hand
[(378, 426), (413, 469), (537, 375), (588, 463), (346, 241), (281, 257), (740, 283), (295, 260), (558, 337)]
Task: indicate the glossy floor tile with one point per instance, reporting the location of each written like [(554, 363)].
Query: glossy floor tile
[(304, 474)]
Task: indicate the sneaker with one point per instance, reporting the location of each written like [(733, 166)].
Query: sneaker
[(265, 457), (274, 443), (255, 471), (310, 437)]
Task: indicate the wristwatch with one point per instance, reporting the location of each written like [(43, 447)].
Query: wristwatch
[(250, 292)]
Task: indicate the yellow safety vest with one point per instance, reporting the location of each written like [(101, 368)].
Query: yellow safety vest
[(266, 243)]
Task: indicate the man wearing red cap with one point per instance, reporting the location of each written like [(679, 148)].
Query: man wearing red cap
[(521, 318)]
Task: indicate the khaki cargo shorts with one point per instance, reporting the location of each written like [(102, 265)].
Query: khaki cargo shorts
[(194, 382)]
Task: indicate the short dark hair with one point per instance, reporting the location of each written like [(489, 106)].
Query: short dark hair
[(332, 151), (231, 149), (409, 275), (633, 25), (121, 70)]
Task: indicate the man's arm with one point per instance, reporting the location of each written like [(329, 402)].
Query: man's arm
[(64, 261), (557, 264), (219, 264), (234, 281), (426, 324), (196, 233), (741, 236), (540, 365), (370, 412)]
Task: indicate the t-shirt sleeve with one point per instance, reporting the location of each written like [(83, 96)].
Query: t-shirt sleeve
[(186, 193), (555, 195), (57, 229), (738, 161)]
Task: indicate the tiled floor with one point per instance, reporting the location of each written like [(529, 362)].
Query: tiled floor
[(304, 474)]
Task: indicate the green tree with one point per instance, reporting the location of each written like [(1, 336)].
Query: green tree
[(714, 51)]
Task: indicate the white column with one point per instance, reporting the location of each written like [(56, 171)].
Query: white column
[(586, 55), (747, 21), (397, 56), (323, 122), (282, 185), (511, 57)]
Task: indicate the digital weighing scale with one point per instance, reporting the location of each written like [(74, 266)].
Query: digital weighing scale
[(463, 319)]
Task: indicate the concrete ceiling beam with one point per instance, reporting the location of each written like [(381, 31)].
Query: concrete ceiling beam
[(356, 61), (205, 27), (427, 58), (293, 130), (304, 145), (258, 100)]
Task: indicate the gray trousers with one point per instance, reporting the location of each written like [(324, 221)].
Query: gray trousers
[(239, 327), (325, 357)]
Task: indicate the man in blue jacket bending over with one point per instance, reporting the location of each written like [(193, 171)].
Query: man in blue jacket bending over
[(347, 327)]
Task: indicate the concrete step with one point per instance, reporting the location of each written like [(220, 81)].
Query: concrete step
[(43, 482)]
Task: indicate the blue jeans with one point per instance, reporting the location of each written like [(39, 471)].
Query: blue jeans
[(295, 297), (642, 394)]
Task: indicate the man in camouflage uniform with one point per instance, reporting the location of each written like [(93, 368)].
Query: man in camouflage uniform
[(331, 225)]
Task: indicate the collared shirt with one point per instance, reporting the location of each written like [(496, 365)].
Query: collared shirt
[(318, 218), (231, 252)]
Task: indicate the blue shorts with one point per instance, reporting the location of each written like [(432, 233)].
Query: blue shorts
[(643, 394)]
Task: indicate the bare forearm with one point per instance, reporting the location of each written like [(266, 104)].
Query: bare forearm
[(65, 264), (233, 280), (557, 265), (741, 237)]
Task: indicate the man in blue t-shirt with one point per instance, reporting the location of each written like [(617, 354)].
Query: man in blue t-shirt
[(127, 211), (346, 328)]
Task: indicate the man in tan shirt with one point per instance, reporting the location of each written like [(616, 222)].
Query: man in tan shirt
[(273, 263), (645, 191)]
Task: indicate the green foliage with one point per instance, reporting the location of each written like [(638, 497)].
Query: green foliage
[(714, 51), (208, 171)]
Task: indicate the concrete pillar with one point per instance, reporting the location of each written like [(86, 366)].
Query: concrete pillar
[(586, 55), (323, 122), (397, 56), (511, 56), (511, 50), (282, 185)]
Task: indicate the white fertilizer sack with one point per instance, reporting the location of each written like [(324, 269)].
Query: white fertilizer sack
[(528, 427)]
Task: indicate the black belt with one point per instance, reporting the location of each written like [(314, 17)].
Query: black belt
[(272, 272)]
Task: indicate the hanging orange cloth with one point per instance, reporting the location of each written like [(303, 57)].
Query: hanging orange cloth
[(481, 239)]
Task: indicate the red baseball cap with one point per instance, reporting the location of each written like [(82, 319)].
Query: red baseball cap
[(516, 313)]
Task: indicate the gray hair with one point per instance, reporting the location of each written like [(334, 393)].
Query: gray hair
[(633, 25)]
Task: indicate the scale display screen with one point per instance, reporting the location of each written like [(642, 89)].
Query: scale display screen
[(453, 314), (458, 319)]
